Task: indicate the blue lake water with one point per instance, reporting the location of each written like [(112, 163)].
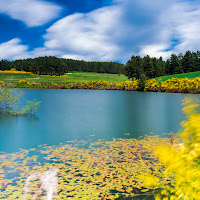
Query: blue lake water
[(66, 115)]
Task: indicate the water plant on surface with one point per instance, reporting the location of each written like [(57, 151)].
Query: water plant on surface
[(165, 167), (105, 170), (9, 102)]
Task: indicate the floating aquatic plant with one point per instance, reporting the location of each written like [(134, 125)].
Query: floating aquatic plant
[(105, 170)]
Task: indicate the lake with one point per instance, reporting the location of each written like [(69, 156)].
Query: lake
[(66, 115)]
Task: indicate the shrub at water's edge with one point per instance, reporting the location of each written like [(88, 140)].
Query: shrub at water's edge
[(9, 103), (174, 85), (104, 85)]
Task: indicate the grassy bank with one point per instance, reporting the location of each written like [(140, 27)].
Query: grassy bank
[(173, 85), (184, 75), (100, 81), (72, 77)]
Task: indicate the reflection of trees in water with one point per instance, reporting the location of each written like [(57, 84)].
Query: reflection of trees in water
[(30, 118)]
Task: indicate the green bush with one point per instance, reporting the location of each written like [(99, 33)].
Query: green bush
[(9, 102)]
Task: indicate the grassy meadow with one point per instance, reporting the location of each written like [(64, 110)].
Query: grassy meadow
[(183, 75), (72, 77), (180, 83)]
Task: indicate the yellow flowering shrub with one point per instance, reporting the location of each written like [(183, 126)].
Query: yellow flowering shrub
[(25, 82), (14, 71), (22, 82), (175, 85), (32, 83), (182, 160), (184, 85), (127, 85)]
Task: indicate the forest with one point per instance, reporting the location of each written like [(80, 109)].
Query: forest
[(155, 67), (58, 66), (137, 67)]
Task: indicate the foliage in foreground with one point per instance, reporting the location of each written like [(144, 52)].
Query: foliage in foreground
[(182, 160), (9, 102)]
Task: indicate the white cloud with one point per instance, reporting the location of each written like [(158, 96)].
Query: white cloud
[(31, 12), (12, 49), (156, 50), (88, 35), (124, 29), (110, 33), (185, 25)]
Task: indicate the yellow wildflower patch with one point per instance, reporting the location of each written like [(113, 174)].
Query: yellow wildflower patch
[(14, 71), (127, 85), (182, 85)]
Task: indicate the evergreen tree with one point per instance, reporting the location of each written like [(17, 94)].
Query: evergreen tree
[(130, 68), (162, 66), (133, 68), (188, 62), (148, 67), (196, 60), (168, 69), (175, 65), (156, 67), (5, 65)]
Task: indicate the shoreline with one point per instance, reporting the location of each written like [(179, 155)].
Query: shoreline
[(174, 85)]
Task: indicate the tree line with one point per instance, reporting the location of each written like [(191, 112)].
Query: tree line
[(6, 65), (137, 67), (58, 66)]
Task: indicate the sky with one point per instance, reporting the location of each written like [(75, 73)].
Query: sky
[(98, 30)]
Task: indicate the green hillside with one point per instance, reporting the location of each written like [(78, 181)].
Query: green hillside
[(184, 75), (72, 77)]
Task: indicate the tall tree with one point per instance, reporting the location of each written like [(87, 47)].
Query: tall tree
[(157, 71), (162, 66), (168, 70), (133, 68), (148, 67), (175, 64), (188, 62)]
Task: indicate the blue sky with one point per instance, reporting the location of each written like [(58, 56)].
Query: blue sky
[(100, 30)]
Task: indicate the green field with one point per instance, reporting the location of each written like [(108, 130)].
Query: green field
[(72, 77), (82, 77), (184, 75)]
